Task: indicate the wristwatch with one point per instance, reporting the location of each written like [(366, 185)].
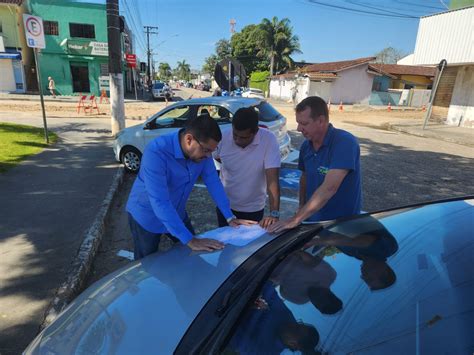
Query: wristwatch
[(275, 214), (231, 219)]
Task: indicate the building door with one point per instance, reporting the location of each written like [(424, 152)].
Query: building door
[(80, 77)]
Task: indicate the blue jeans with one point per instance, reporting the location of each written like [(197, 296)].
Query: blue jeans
[(145, 242)]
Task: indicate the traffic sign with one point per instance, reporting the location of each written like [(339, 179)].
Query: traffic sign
[(34, 31), (131, 60)]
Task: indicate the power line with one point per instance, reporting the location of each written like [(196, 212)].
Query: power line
[(418, 5), (364, 12), (365, 5)]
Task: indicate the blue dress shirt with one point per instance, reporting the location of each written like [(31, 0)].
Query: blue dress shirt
[(163, 185)]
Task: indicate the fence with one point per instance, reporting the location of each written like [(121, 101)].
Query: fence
[(411, 97)]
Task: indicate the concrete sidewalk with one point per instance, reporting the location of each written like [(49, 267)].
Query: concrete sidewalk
[(436, 130), (52, 209)]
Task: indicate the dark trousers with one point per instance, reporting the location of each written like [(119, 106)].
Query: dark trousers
[(253, 216), (145, 242)]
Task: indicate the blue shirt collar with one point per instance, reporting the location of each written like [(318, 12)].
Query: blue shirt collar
[(178, 151)]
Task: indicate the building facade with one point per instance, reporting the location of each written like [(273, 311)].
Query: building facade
[(16, 70), (450, 36)]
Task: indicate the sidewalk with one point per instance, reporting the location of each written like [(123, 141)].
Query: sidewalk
[(436, 130), (129, 97)]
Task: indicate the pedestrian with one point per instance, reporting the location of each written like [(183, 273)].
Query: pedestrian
[(167, 92), (170, 166), (250, 166), (294, 92), (51, 86), (329, 160)]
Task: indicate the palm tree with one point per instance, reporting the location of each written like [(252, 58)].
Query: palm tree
[(279, 42), (164, 71), (183, 69)]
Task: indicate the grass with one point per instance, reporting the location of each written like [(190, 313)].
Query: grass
[(17, 142)]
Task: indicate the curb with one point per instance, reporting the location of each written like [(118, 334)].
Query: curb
[(84, 258), (398, 128)]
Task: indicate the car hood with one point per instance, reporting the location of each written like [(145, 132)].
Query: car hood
[(146, 306)]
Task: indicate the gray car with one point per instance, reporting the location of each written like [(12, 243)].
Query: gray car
[(393, 282), (130, 143)]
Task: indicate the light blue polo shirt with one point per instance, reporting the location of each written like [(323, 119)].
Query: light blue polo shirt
[(340, 150), (166, 178)]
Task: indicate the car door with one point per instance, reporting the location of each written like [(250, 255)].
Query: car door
[(168, 121)]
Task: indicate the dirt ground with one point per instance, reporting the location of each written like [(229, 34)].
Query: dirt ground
[(140, 110)]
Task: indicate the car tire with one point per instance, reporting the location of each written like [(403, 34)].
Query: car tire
[(131, 159)]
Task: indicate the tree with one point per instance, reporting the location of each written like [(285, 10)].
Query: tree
[(278, 43), (223, 50), (245, 44), (183, 70), (164, 71), (389, 55), (210, 64)]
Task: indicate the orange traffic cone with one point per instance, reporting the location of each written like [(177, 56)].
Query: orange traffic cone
[(389, 107), (423, 108), (329, 105), (341, 108)]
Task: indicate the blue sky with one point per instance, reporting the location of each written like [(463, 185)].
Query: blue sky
[(188, 29)]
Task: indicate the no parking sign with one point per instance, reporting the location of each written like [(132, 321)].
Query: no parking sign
[(34, 31)]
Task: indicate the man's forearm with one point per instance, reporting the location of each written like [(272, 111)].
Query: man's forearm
[(319, 199), (274, 197)]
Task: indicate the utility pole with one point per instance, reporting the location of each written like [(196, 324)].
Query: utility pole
[(149, 31), (115, 67)]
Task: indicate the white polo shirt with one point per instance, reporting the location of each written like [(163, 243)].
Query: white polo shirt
[(243, 169)]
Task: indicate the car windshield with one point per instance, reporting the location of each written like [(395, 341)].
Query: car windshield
[(266, 112), (370, 285), (158, 86)]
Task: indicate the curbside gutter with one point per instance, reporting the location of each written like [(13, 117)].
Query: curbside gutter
[(84, 258)]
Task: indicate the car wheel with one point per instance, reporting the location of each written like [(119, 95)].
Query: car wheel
[(131, 159)]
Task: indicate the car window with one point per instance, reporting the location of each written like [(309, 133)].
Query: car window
[(266, 112), (158, 86), (369, 286), (175, 117), (218, 113)]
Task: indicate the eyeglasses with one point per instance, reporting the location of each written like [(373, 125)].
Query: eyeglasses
[(206, 151)]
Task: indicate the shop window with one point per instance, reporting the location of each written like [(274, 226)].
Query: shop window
[(81, 30), (51, 28)]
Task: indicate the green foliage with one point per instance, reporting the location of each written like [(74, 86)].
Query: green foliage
[(164, 71), (245, 46), (17, 142), (260, 80), (183, 70), (223, 50)]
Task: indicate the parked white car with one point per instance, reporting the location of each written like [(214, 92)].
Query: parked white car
[(257, 93), (130, 143), (161, 90)]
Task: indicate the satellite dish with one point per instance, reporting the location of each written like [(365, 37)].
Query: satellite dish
[(233, 69)]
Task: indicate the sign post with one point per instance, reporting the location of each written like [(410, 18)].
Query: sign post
[(35, 39), (131, 60)]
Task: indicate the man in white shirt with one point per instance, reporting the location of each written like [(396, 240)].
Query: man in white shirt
[(250, 166)]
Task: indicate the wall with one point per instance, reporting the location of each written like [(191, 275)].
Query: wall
[(461, 109), (281, 89), (10, 31), (384, 82), (353, 86), (7, 82), (321, 89)]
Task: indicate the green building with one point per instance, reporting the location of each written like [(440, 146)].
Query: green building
[(76, 53)]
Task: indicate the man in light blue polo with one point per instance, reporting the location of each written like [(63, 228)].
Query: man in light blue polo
[(330, 184), (170, 166)]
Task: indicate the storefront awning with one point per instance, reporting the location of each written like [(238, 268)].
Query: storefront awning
[(4, 55)]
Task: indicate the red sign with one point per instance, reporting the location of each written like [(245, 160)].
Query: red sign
[(131, 60)]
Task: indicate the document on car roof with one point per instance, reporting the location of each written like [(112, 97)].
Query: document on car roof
[(236, 236)]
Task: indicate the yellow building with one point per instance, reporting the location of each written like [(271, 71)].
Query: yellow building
[(407, 76)]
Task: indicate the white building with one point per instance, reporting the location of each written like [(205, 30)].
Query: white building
[(450, 36), (348, 81)]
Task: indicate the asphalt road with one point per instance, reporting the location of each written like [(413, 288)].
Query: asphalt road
[(397, 170)]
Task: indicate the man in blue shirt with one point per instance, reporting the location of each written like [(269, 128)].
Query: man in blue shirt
[(330, 183), (170, 166)]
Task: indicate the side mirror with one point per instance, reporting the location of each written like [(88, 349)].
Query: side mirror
[(149, 125)]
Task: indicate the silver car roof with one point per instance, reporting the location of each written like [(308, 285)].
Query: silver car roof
[(230, 102)]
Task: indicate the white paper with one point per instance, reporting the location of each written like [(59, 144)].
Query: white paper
[(240, 236)]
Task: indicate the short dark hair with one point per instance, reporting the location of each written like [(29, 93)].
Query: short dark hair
[(317, 105), (203, 128), (245, 118)]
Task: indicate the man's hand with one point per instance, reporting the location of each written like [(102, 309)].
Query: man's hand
[(283, 225), (205, 244), (268, 221), (244, 222)]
